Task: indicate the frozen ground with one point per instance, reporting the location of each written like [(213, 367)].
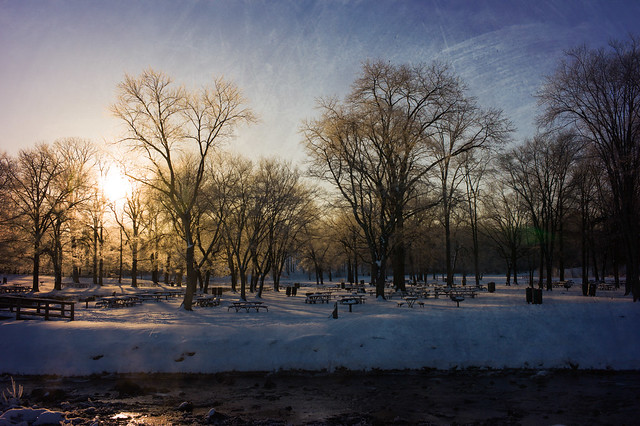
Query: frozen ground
[(493, 331)]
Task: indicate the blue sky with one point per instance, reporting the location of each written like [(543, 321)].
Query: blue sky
[(62, 60)]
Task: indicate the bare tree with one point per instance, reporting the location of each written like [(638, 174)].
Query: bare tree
[(165, 123), (132, 221), (475, 171), (374, 148), (9, 236), (539, 171), (234, 183), (505, 226), (466, 129), (598, 93), (77, 156), (35, 197)]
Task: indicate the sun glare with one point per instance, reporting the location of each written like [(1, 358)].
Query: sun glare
[(115, 185)]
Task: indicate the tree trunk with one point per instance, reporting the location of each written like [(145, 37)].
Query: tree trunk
[(120, 259), (397, 263), (561, 243), (57, 263), (243, 284), (134, 262), (167, 268), (189, 258), (378, 271), (95, 253), (74, 253), (101, 263), (36, 266), (207, 277), (447, 245)]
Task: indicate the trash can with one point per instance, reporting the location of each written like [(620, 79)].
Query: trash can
[(288, 291), (491, 287), (529, 293), (537, 296)]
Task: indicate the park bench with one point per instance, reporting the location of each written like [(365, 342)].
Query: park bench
[(35, 306)]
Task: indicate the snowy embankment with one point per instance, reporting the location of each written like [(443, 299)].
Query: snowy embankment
[(494, 330)]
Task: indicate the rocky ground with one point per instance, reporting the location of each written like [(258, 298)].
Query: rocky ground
[(515, 397)]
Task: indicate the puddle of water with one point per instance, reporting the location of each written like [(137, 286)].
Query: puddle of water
[(129, 417)]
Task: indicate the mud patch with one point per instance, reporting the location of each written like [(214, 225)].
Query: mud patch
[(346, 397)]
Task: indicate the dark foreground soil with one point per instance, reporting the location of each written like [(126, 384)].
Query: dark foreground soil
[(515, 397)]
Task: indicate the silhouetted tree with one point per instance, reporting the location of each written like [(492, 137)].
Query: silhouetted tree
[(166, 123), (598, 93)]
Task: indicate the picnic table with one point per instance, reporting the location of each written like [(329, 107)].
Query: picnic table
[(144, 297), (354, 299), (318, 297), (457, 299), (36, 306), (206, 301), (6, 288), (77, 285), (247, 306), (118, 301), (566, 284), (409, 300), (167, 293)]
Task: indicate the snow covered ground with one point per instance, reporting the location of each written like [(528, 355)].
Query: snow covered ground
[(494, 330)]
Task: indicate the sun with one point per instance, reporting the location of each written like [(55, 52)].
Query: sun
[(115, 185)]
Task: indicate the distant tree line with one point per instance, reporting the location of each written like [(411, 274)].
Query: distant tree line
[(422, 180)]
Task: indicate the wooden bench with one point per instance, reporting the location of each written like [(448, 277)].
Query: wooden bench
[(33, 306)]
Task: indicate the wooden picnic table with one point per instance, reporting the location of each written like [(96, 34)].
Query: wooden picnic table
[(118, 301), (318, 297), (456, 299), (247, 306), (354, 299), (77, 285), (36, 306), (409, 300), (144, 297), (606, 286), (205, 301), (566, 284), (13, 288), (167, 293)]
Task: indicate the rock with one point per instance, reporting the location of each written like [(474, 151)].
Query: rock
[(213, 417), (210, 415), (185, 406)]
